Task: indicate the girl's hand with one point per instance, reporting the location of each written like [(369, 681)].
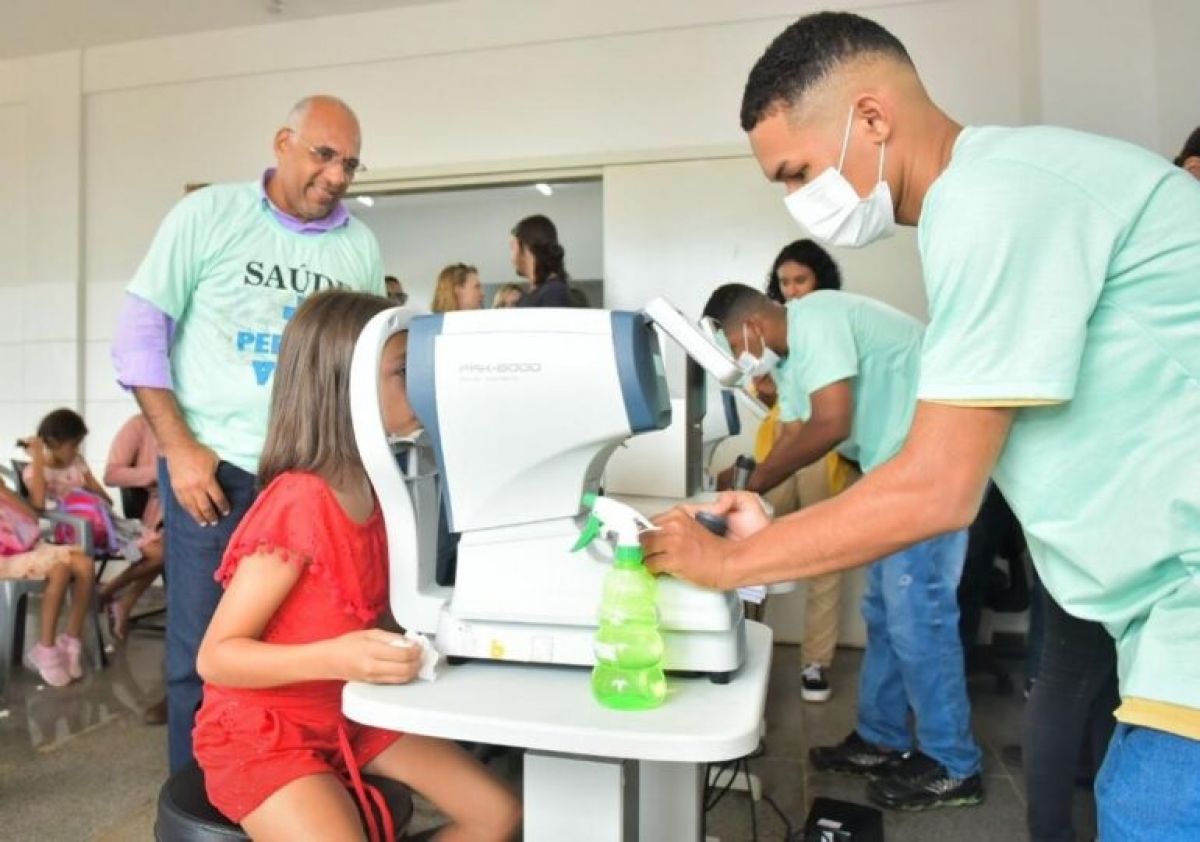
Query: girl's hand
[(371, 656), (36, 449)]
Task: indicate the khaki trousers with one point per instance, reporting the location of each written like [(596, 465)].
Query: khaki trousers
[(822, 607)]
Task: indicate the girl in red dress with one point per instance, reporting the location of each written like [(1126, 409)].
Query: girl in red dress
[(305, 578)]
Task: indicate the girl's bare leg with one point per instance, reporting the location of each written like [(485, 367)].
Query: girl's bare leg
[(57, 579), (315, 808), (81, 593), (481, 809), (123, 607), (146, 570)]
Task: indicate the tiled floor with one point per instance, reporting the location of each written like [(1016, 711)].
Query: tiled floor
[(77, 764)]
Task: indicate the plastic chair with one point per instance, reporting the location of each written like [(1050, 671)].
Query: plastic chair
[(185, 814), (12, 624)]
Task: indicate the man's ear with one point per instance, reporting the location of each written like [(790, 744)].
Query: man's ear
[(282, 137), (755, 324), (1192, 165), (875, 114)]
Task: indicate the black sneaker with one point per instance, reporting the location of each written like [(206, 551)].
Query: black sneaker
[(854, 756), (813, 686), (921, 783)]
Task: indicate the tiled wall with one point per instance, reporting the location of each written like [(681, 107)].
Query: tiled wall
[(51, 353), (106, 405)]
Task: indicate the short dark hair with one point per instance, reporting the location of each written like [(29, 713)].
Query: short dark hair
[(805, 53), (538, 234), (806, 253), (1191, 149), (62, 426), (730, 304)]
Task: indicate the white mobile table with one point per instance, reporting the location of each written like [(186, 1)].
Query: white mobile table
[(591, 774)]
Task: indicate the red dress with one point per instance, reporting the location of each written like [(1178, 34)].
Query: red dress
[(251, 743)]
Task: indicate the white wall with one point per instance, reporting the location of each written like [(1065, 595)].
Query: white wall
[(41, 342), (420, 234), (99, 143), (13, 119)]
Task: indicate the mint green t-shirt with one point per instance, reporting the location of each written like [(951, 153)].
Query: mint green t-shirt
[(836, 336), (1063, 269), (230, 275)]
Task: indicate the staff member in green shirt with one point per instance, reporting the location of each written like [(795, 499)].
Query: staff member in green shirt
[(846, 372), (1062, 358)]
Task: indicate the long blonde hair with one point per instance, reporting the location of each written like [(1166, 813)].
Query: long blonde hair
[(450, 279), (309, 427)]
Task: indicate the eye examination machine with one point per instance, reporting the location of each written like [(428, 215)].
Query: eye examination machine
[(521, 411)]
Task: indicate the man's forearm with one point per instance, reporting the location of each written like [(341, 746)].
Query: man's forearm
[(934, 485), (792, 453), (165, 417), (120, 475), (881, 514)]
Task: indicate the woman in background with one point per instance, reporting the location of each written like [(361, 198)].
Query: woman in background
[(538, 257), (800, 268), (458, 288), (1189, 157), (509, 295)]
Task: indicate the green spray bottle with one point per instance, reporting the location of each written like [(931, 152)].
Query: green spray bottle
[(628, 674)]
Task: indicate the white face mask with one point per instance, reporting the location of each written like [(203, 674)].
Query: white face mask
[(753, 366), (833, 213)]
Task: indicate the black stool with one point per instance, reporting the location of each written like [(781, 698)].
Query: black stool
[(184, 814)]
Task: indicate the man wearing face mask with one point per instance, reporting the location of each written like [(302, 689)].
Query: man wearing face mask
[(846, 368), (1062, 358)]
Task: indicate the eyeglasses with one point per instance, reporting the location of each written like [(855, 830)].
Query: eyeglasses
[(327, 155)]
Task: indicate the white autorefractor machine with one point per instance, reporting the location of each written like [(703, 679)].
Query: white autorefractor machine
[(521, 410)]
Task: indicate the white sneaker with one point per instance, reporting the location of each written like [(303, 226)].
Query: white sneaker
[(813, 686)]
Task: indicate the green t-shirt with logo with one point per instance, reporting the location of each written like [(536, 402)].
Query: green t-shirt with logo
[(1063, 273), (836, 336), (231, 275)]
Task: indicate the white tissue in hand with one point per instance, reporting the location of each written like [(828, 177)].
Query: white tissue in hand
[(429, 655)]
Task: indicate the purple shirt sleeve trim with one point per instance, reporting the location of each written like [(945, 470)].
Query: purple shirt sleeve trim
[(142, 344)]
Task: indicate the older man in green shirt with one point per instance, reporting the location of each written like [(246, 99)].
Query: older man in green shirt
[(197, 342)]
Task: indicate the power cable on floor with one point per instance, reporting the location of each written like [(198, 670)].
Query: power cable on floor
[(730, 771)]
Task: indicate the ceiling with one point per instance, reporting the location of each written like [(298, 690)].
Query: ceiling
[(30, 27)]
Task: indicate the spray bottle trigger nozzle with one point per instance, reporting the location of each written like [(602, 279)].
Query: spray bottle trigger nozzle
[(589, 533)]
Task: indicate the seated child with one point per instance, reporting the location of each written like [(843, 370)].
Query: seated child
[(133, 463), (305, 578), (58, 478), (23, 555)]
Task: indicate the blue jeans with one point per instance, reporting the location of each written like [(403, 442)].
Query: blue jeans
[(192, 556), (1147, 789), (914, 655)]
